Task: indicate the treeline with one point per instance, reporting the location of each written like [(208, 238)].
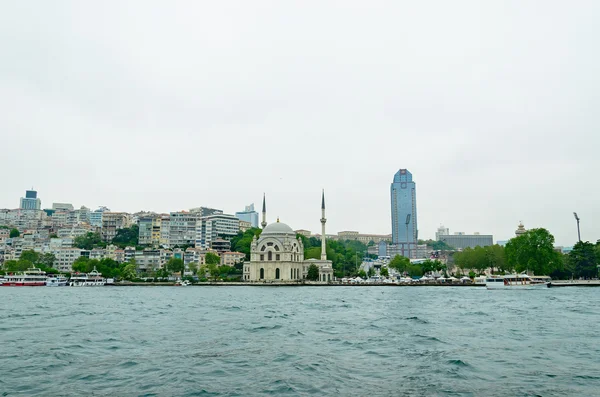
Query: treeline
[(127, 237), (404, 266), (532, 251), (28, 260)]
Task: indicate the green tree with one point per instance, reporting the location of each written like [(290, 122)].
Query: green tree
[(175, 265), (80, 265), (193, 267), (10, 266), (14, 233), (30, 255), (362, 274), (313, 273), (129, 271), (127, 237), (24, 264), (400, 263), (212, 259), (533, 251), (583, 259), (384, 272), (243, 241), (109, 268), (162, 273), (47, 259), (89, 241)]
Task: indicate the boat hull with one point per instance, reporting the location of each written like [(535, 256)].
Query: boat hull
[(23, 284)]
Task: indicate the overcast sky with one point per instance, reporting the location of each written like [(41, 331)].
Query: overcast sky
[(494, 106)]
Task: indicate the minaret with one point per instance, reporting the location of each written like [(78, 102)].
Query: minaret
[(323, 221), (264, 221)]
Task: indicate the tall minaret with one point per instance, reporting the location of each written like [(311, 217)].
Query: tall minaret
[(323, 221), (264, 221)]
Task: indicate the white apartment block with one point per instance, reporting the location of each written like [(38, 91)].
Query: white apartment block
[(182, 228), (65, 257)]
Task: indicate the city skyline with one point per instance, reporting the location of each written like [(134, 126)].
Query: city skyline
[(139, 106), (70, 207)]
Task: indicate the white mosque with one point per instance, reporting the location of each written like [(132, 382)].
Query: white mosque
[(277, 255)]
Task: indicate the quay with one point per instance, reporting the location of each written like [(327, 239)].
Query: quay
[(276, 284), (574, 283)]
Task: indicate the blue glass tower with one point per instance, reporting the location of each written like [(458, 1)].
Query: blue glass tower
[(404, 210)]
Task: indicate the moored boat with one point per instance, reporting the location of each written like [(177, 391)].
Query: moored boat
[(32, 277), (513, 281), (91, 279), (56, 281)]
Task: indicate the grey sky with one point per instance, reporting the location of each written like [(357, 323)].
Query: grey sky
[(163, 106)]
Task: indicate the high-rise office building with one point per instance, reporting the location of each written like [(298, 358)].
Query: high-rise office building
[(248, 215), (404, 211), (30, 201)]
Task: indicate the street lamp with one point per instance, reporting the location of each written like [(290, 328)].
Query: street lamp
[(578, 232)]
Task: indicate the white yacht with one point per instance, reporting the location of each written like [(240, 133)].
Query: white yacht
[(512, 281), (91, 279), (56, 281)]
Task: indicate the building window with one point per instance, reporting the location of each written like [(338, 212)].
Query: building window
[(277, 274), (262, 273), (276, 248), (270, 256), (263, 247), (262, 257), (277, 257)]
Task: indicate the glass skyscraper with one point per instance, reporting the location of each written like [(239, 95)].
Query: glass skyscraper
[(404, 210)]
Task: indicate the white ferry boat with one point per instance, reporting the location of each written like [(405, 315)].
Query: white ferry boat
[(91, 279), (32, 277), (512, 281), (56, 281)]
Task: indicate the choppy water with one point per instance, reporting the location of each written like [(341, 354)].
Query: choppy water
[(226, 341)]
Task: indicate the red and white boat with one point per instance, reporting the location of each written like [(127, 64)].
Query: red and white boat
[(29, 278)]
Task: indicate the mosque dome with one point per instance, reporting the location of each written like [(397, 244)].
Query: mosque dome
[(277, 228)]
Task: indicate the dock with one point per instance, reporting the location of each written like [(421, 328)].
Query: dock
[(574, 283)]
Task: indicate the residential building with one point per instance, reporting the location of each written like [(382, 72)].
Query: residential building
[(149, 230), (205, 211), (73, 232), (248, 215), (30, 201), (404, 213), (182, 228), (231, 258), (96, 216), (221, 245), (245, 226), (304, 232), (62, 207), (211, 227), (111, 223), (148, 259), (65, 257), (461, 240), (363, 238), (442, 231)]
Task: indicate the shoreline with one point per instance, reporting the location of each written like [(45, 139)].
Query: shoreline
[(230, 284)]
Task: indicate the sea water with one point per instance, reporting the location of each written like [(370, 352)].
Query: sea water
[(347, 341)]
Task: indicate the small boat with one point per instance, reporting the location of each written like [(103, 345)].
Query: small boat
[(183, 283), (56, 281), (512, 281), (91, 279), (32, 277)]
